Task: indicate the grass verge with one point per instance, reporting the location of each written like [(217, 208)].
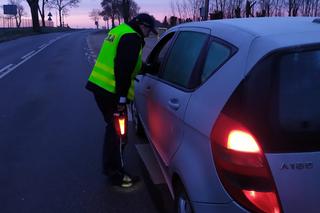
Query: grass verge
[(7, 34)]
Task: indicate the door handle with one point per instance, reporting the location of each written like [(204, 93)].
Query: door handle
[(147, 89), (174, 104)]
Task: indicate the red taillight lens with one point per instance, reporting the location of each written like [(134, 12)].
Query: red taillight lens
[(242, 141), (242, 167), (266, 201)]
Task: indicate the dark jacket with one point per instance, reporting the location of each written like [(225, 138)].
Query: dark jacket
[(124, 63)]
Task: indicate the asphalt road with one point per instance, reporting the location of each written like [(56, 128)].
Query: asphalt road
[(51, 132)]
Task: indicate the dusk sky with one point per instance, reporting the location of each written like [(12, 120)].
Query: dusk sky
[(78, 17)]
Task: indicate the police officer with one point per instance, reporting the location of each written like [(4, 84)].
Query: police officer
[(112, 83)]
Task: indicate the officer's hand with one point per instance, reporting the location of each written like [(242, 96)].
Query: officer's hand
[(121, 108)]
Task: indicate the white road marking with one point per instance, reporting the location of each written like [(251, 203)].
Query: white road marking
[(30, 53), (42, 46), (129, 115), (5, 68), (10, 69)]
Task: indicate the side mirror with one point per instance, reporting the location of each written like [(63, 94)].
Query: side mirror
[(138, 78)]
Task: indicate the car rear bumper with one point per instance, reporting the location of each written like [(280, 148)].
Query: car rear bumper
[(231, 207)]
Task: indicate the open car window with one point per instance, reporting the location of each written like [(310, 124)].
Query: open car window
[(158, 54)]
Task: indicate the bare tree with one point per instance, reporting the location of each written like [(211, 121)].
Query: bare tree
[(293, 7), (106, 19), (195, 8), (222, 5), (308, 7), (20, 11), (233, 9), (33, 4), (218, 9), (250, 8), (279, 7), (265, 6), (95, 16), (173, 8), (42, 12), (110, 9), (316, 8), (186, 9), (62, 6), (129, 9), (117, 9), (246, 8), (179, 9), (125, 10), (134, 9)]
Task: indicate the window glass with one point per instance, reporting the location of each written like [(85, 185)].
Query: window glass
[(299, 91), (157, 56), (217, 55), (163, 51), (183, 57)]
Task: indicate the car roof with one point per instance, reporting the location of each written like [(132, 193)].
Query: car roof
[(277, 31), (264, 26)]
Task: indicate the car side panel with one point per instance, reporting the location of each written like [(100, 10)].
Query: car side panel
[(194, 159), (142, 94), (165, 124), (296, 176), (193, 163), (231, 207)]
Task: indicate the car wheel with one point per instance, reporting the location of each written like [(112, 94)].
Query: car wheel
[(182, 202), (136, 121)]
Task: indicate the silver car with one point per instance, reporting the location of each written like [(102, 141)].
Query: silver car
[(231, 109)]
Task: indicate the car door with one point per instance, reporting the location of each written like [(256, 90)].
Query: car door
[(145, 81), (170, 91)]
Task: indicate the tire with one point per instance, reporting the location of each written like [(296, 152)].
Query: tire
[(182, 202), (138, 128)]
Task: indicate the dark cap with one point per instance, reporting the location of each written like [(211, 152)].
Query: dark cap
[(146, 20)]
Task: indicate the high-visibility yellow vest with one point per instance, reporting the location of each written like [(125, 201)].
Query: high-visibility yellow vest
[(103, 71)]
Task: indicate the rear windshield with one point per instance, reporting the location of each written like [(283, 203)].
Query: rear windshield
[(279, 101), (299, 91)]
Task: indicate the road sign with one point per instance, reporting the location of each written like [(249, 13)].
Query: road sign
[(202, 12), (10, 9)]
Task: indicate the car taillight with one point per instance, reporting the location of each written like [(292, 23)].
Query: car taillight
[(242, 166)]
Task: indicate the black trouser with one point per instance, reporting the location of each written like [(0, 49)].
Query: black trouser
[(111, 159)]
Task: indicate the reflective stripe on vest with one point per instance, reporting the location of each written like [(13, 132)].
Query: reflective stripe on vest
[(103, 71)]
